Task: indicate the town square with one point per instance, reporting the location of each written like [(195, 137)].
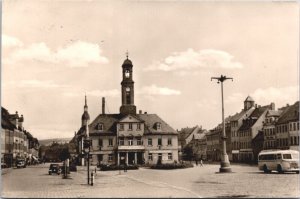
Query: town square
[(149, 99)]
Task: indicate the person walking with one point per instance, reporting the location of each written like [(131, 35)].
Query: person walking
[(201, 163), (125, 167), (196, 162)]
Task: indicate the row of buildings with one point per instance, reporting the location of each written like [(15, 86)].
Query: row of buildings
[(142, 138), (126, 137), (16, 142), (253, 129)]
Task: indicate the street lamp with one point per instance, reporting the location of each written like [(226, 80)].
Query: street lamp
[(87, 148), (225, 164)]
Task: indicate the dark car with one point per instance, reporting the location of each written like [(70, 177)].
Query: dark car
[(54, 168), (21, 163)]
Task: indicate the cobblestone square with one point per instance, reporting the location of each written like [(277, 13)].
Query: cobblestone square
[(196, 182)]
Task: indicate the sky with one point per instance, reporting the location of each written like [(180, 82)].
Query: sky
[(53, 52)]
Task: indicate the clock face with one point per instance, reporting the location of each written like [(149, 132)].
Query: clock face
[(127, 74), (127, 89)]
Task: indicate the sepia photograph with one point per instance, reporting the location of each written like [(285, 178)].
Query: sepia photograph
[(149, 99)]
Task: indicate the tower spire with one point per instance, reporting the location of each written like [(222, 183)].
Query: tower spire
[(127, 54), (85, 116)]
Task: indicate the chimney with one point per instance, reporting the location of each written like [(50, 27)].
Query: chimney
[(255, 105), (272, 106), (140, 112), (287, 105), (17, 120), (103, 105)]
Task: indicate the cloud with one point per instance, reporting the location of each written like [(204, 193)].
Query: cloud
[(280, 96), (96, 93), (235, 97), (33, 83), (207, 104), (190, 59), (78, 54), (9, 41), (155, 90)]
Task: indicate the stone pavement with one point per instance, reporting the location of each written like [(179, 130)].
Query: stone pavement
[(245, 181)]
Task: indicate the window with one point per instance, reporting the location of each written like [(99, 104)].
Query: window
[(287, 156), (100, 157), (110, 142), (130, 126), (294, 126), (159, 141), (121, 127), (158, 126), (110, 157), (291, 126), (150, 156), (169, 141), (150, 141), (100, 127), (159, 156), (100, 142), (127, 73), (130, 141), (170, 156), (139, 141), (121, 141), (138, 126)]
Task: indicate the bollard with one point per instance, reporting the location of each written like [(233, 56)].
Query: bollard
[(92, 179)]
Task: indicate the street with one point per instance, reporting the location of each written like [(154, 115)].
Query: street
[(245, 181)]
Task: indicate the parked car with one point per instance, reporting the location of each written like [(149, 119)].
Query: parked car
[(3, 165), (21, 163), (54, 168)]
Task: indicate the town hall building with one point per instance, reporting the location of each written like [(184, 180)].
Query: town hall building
[(127, 137)]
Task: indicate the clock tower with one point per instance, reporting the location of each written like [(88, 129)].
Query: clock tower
[(127, 89)]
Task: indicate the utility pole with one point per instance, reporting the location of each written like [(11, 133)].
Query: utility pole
[(225, 164)]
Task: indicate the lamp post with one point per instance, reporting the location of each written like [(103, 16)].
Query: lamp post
[(87, 148), (225, 164)]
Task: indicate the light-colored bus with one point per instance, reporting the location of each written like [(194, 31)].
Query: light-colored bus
[(278, 160)]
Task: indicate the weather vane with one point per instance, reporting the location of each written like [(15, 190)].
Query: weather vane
[(127, 54)]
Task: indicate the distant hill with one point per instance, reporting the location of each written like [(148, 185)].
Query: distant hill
[(48, 142)]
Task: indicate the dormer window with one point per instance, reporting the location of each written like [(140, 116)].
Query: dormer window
[(158, 126), (100, 127)]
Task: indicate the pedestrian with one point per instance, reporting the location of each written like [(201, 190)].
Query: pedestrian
[(196, 162), (201, 163), (125, 167)]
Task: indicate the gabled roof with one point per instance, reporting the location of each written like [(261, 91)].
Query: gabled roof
[(5, 120), (251, 120), (249, 99), (150, 121), (109, 122), (289, 114), (274, 113), (185, 132)]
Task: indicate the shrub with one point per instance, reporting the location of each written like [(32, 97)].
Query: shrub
[(172, 166), (104, 167)]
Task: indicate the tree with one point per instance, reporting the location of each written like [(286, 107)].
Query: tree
[(64, 154), (188, 151)]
